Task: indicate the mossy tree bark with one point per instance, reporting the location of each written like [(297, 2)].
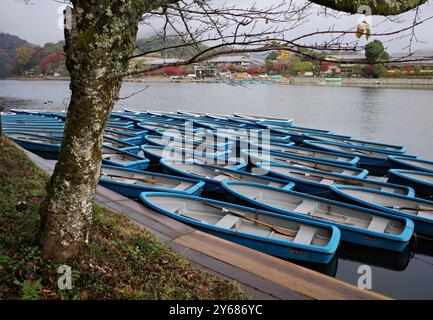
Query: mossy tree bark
[(1, 128), (99, 41), (378, 7)]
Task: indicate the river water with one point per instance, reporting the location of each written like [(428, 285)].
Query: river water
[(395, 116)]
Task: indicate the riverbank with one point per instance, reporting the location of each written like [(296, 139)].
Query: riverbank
[(121, 261), (400, 83), (17, 103)]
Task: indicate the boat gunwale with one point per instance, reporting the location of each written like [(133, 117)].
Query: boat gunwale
[(337, 189), (329, 249), (405, 236)]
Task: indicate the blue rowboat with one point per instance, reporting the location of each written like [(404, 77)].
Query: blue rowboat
[(19, 127), (117, 157), (403, 162), (196, 147), (44, 146), (131, 183), (124, 146), (32, 120), (217, 117), (297, 134), (196, 114), (271, 233), (242, 137), (421, 181), (318, 183), (245, 122), (129, 131), (154, 128), (58, 133), (121, 123), (197, 137), (215, 175), (417, 209), (376, 162), (262, 119), (214, 125), (156, 153), (266, 159), (298, 128), (125, 137), (359, 144), (358, 225), (289, 149)]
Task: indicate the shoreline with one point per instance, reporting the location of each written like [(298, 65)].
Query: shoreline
[(385, 83)]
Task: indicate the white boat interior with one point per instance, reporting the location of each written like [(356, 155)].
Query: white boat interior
[(241, 220), (351, 149), (419, 176), (327, 179), (145, 179), (265, 158), (310, 153), (406, 205), (167, 153), (33, 138), (360, 143), (321, 210), (421, 164), (219, 175)]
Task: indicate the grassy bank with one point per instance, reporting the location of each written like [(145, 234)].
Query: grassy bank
[(121, 261)]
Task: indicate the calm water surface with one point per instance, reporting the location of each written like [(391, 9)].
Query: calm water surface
[(396, 116)]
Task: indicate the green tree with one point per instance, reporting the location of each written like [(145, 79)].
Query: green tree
[(100, 40), (24, 54), (377, 56), (375, 51), (272, 56), (303, 66)]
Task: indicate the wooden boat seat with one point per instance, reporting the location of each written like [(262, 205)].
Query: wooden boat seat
[(378, 224), (305, 207), (425, 214), (305, 235), (129, 181), (327, 182), (182, 186), (221, 177), (228, 221)]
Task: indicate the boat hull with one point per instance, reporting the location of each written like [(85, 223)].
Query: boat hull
[(283, 249), (134, 190), (348, 233), (421, 226), (422, 188)]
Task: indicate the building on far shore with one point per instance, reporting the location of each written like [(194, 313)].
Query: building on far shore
[(209, 68), (202, 72)]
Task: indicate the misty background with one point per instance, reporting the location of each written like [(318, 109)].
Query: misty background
[(40, 22)]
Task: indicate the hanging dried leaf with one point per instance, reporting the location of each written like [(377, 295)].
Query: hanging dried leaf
[(367, 30), (360, 30)]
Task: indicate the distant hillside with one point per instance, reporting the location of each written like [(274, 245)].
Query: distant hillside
[(149, 44), (8, 49)]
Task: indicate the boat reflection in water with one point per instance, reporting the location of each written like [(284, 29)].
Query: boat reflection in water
[(330, 269), (424, 246), (395, 261)]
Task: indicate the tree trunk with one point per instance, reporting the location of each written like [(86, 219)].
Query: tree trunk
[(380, 8), (1, 128), (100, 38)]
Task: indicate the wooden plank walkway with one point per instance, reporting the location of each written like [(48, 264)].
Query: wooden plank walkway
[(261, 276)]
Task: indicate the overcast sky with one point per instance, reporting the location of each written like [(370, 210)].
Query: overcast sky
[(38, 22)]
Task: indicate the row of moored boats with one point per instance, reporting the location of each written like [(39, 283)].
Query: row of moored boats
[(289, 191)]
